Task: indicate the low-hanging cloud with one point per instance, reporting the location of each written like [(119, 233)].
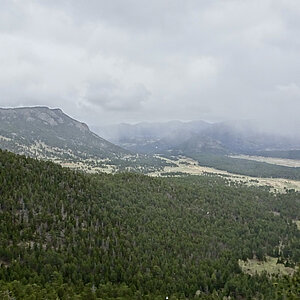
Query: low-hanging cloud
[(113, 96), (130, 61)]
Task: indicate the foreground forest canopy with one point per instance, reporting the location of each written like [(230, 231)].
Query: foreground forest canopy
[(69, 235)]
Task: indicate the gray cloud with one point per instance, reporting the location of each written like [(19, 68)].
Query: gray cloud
[(114, 97), (129, 61)]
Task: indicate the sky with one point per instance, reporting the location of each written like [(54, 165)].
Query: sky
[(105, 62)]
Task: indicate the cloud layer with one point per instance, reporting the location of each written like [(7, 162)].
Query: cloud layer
[(129, 61)]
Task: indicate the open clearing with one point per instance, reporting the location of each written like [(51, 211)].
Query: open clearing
[(83, 166), (297, 222), (271, 160), (189, 166), (253, 266)]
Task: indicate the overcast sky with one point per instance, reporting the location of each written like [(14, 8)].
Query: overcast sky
[(154, 60)]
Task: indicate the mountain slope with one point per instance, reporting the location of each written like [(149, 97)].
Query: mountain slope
[(46, 133), (35, 130)]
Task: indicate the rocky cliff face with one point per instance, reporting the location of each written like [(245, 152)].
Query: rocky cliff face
[(50, 117)]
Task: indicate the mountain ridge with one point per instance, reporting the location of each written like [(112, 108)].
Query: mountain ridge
[(54, 128)]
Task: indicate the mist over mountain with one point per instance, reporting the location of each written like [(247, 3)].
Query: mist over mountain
[(229, 137), (149, 129)]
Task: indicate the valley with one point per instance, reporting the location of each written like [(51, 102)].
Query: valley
[(187, 166), (287, 162)]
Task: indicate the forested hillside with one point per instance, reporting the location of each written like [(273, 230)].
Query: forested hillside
[(69, 235)]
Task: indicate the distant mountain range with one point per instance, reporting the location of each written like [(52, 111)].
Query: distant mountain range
[(196, 136)]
